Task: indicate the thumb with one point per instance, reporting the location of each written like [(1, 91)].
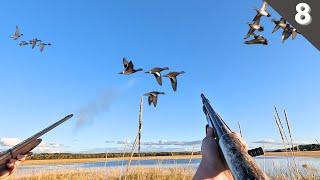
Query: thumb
[(209, 131)]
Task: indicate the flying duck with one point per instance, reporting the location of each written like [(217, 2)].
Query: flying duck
[(289, 31), (173, 78), (43, 45), (16, 34), (255, 25), (153, 97), (23, 43), (129, 67), (34, 42), (157, 73), (258, 39), (262, 11), (281, 23), (294, 33)]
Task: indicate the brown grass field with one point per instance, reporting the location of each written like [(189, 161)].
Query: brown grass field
[(139, 173), (146, 173)]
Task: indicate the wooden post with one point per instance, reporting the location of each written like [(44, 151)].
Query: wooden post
[(140, 124), (137, 140)]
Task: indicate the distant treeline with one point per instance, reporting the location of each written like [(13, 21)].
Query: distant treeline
[(46, 156), (307, 147)]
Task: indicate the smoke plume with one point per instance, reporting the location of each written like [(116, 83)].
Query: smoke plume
[(87, 114)]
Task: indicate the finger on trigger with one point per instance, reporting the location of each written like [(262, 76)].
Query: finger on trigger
[(11, 165), (13, 161), (21, 157)]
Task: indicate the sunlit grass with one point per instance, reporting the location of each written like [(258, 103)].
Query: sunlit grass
[(135, 173), (307, 172)]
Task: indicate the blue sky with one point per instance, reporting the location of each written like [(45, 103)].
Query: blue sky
[(203, 38)]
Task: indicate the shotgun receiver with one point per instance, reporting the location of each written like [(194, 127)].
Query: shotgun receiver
[(238, 159), (27, 145)]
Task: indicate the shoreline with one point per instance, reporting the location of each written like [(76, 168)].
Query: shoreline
[(92, 160), (296, 154)]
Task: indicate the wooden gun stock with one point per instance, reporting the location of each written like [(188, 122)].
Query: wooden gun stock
[(27, 145), (12, 154)]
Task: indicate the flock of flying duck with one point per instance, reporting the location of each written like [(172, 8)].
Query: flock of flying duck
[(34, 42), (255, 25), (156, 71)]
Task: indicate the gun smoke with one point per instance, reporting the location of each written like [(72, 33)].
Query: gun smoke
[(87, 114)]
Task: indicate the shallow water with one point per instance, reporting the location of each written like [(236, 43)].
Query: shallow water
[(270, 164), (276, 164)]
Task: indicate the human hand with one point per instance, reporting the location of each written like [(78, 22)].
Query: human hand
[(213, 165), (12, 165)]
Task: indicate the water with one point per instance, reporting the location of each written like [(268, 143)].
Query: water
[(275, 164), (269, 164)]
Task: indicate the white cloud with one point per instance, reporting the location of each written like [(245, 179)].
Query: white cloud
[(150, 146), (267, 142), (173, 143), (277, 144), (164, 143), (9, 142), (143, 149), (124, 142), (47, 147)]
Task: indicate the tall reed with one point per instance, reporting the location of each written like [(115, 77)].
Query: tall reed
[(240, 131), (289, 128), (281, 127)]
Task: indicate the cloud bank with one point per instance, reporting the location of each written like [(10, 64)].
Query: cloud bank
[(47, 147), (275, 144), (164, 143), (9, 142)]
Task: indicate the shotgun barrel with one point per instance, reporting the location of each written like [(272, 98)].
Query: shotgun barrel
[(241, 164), (27, 145)]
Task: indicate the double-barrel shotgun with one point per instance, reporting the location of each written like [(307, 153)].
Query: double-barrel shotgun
[(239, 160), (27, 145)]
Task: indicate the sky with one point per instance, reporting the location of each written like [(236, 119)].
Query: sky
[(79, 74)]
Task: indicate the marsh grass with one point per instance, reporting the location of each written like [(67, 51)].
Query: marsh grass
[(292, 171), (152, 173), (303, 173), (136, 173)]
